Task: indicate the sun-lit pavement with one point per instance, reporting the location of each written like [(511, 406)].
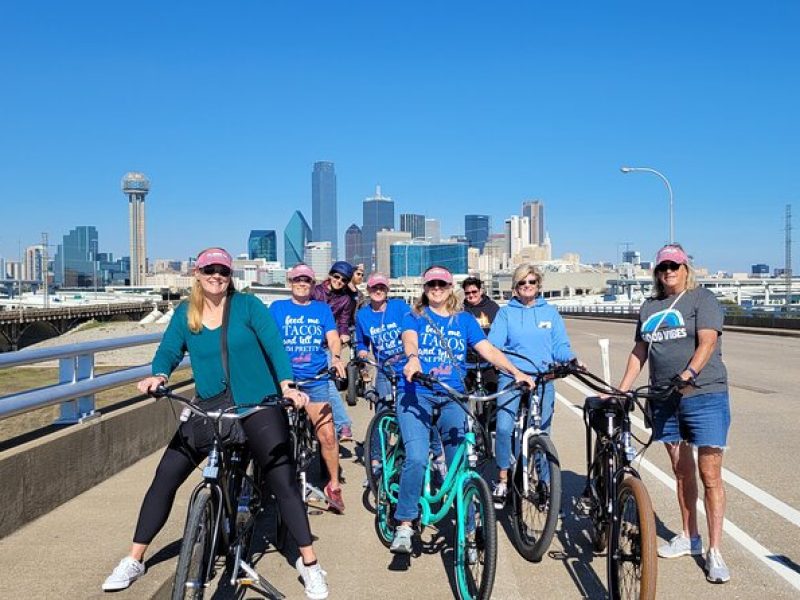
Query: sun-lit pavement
[(82, 541)]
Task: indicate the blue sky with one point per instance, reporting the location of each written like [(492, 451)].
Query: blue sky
[(453, 107)]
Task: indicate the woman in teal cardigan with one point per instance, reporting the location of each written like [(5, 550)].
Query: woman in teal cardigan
[(259, 367)]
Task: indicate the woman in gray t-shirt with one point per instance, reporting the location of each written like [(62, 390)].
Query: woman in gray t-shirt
[(679, 331)]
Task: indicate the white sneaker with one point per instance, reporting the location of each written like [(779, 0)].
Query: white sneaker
[(314, 580), (125, 573)]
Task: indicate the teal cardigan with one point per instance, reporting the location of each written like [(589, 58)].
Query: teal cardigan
[(256, 357)]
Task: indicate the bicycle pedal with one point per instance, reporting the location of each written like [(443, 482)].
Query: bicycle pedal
[(246, 581), (584, 507)]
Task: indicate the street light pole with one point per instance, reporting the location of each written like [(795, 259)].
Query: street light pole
[(669, 189)]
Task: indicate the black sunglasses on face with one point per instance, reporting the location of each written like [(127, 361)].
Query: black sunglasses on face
[(667, 266), (528, 281), (472, 292), (437, 284), (301, 280), (338, 277), (216, 270)]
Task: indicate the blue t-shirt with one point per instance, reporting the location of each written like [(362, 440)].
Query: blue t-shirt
[(380, 330), (303, 327), (460, 331)]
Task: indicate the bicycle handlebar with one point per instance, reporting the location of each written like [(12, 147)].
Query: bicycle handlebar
[(430, 381), (330, 372), (229, 412)]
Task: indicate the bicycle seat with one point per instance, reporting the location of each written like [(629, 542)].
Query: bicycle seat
[(598, 410), (594, 403)]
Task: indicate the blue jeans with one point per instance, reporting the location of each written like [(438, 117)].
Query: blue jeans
[(340, 416), (414, 413), (701, 420), (507, 406)]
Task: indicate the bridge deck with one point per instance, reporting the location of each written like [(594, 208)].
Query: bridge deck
[(67, 553)]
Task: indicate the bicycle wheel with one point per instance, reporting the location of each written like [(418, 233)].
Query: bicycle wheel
[(476, 542), (535, 513), (598, 531), (632, 555), (353, 377), (196, 551), (382, 432)]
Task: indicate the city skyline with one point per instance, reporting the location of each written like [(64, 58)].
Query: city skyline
[(492, 106)]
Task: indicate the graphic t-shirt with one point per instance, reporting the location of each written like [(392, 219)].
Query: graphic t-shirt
[(460, 332), (671, 334), (380, 330), (303, 328)]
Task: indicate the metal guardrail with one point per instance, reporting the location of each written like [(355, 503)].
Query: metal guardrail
[(78, 383)]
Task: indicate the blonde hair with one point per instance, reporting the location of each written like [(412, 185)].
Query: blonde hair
[(453, 303), (659, 292), (521, 272), (194, 315)]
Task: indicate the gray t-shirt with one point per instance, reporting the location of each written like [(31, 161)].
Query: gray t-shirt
[(673, 333)]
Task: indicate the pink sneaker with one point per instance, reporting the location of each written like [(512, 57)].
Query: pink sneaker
[(335, 500)]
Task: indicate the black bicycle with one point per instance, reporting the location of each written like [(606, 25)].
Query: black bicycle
[(615, 498), (222, 510)]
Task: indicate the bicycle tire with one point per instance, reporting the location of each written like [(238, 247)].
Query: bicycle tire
[(474, 575), (353, 377), (599, 529), (633, 563), (371, 437), (386, 496), (534, 515), (196, 552)]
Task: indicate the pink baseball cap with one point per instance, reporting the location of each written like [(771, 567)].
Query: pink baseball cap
[(302, 270), (672, 253), (438, 274), (213, 256), (377, 279)]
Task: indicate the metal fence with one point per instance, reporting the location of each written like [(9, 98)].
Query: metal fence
[(77, 382)]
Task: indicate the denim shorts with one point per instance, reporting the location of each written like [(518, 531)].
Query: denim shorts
[(702, 420), (318, 393)]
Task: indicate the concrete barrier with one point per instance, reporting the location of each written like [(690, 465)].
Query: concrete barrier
[(40, 475)]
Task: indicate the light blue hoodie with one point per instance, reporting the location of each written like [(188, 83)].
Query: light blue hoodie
[(535, 331)]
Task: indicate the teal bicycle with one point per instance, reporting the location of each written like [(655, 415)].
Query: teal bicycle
[(475, 556)]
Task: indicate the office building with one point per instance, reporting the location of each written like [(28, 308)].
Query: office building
[(383, 245), (378, 213), (295, 237), (760, 270), (353, 245), (476, 230), (411, 259), (262, 243), (318, 256), (34, 267), (517, 234), (433, 233), (413, 224), (136, 186), (632, 257), (534, 210), (75, 263), (324, 222)]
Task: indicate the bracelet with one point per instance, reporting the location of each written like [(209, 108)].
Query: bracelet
[(339, 356), (693, 372), (164, 375), (410, 356)]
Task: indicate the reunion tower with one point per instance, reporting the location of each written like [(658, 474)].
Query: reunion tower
[(135, 185)]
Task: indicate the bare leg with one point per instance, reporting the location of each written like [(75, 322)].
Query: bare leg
[(322, 418), (710, 463), (138, 550), (683, 466)]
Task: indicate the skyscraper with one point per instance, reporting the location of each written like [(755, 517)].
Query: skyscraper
[(534, 210), (378, 214), (353, 251), (476, 230), (317, 255), (34, 267), (324, 223), (75, 263), (295, 237), (135, 185), (517, 234), (414, 224), (262, 243), (383, 245), (433, 231), (410, 259)]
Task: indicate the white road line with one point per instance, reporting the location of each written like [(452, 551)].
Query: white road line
[(764, 498), (770, 559)]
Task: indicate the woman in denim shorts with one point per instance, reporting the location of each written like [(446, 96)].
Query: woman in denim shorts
[(679, 331)]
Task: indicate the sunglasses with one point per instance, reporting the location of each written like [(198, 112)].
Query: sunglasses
[(301, 279), (667, 266), (378, 288), (358, 273), (338, 277), (527, 282), (436, 283), (216, 270), (472, 292)]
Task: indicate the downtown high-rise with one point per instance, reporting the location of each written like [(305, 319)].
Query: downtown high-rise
[(534, 210), (413, 224), (476, 230), (324, 222), (378, 212), (262, 243), (75, 263), (295, 237)]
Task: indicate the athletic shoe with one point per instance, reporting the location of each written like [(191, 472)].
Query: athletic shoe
[(681, 545), (313, 579), (125, 573), (335, 500), (499, 493), (439, 473), (346, 434), (716, 569), (401, 544), (472, 553)]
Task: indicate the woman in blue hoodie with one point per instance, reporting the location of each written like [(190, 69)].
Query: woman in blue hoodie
[(533, 328)]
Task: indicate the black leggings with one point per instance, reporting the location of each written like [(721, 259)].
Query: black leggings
[(268, 440)]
